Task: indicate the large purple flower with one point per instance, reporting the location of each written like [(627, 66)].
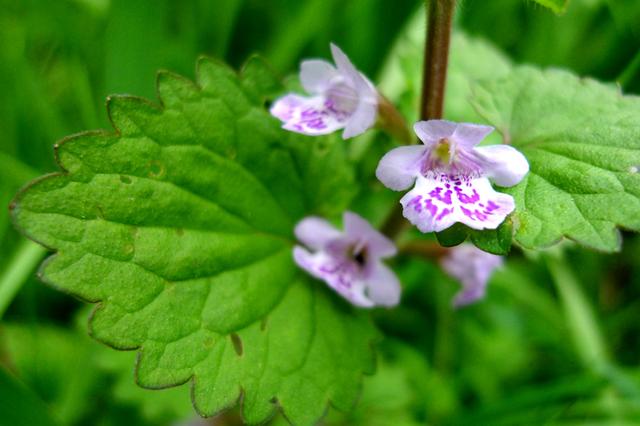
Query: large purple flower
[(350, 261), (341, 98), (451, 176), (473, 268)]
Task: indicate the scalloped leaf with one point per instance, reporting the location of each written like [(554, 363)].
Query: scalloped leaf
[(582, 140), (180, 226)]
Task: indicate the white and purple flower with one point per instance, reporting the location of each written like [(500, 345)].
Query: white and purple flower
[(341, 98), (350, 262), (451, 176), (473, 268)]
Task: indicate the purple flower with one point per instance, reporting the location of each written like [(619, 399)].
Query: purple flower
[(341, 98), (350, 261), (451, 176), (473, 268)]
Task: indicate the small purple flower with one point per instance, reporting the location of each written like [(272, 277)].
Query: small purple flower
[(451, 176), (341, 98), (473, 268), (350, 261)]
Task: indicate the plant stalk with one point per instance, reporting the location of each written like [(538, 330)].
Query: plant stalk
[(23, 264), (434, 77)]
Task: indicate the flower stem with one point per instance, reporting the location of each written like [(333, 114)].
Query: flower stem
[(26, 259), (434, 77)]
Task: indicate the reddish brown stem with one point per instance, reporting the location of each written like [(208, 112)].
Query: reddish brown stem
[(434, 77), (426, 249)]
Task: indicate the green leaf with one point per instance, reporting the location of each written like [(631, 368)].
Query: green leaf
[(582, 140), (180, 225), (496, 241), (557, 6)]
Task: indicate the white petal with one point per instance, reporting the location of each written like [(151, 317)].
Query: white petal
[(469, 135), (399, 167), (503, 163), (310, 116), (335, 273), (434, 204), (360, 231), (383, 286), (316, 76), (315, 232), (432, 131), (363, 118), (429, 205)]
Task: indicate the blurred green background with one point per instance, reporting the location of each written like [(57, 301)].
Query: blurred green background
[(556, 342)]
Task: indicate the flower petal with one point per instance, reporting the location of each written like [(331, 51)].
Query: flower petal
[(399, 167), (435, 204), (363, 118), (310, 116), (316, 75), (473, 268), (383, 286), (432, 131), (468, 135), (360, 231), (339, 276), (315, 232), (345, 67), (503, 163)]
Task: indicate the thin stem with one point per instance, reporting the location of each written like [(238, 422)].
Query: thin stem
[(17, 271), (426, 249), (436, 57), (630, 71), (434, 77)]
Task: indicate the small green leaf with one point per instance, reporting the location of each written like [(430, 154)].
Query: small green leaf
[(453, 236), (496, 241), (180, 225), (582, 140), (557, 6)]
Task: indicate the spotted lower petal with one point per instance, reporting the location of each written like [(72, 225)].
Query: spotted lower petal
[(310, 116), (342, 276), (436, 203)]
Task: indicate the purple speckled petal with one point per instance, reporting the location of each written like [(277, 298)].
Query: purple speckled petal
[(383, 286), (340, 275), (469, 135), (435, 204), (317, 76), (473, 268), (315, 232), (430, 205), (430, 132), (310, 116), (361, 232), (503, 163), (399, 167)]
